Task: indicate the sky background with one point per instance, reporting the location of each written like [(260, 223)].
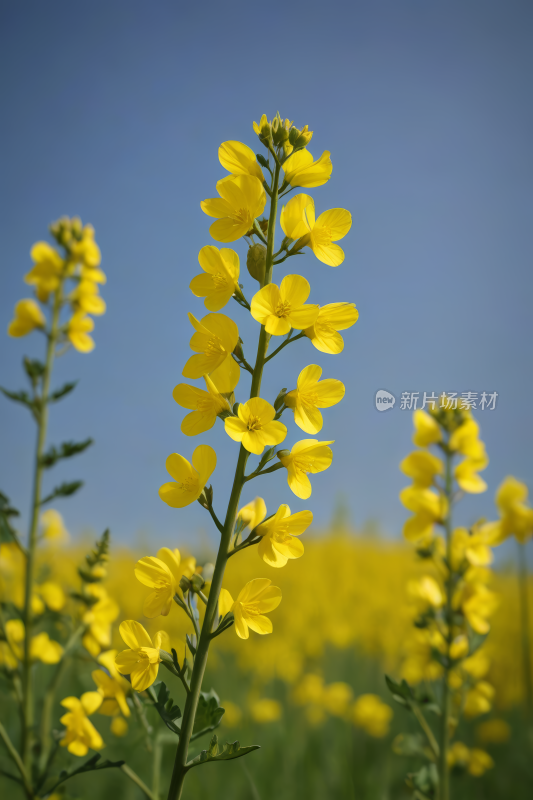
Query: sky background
[(114, 111)]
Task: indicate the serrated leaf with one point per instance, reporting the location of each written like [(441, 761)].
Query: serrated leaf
[(33, 368), (208, 714), (92, 765), (164, 704), (401, 692), (63, 490), (66, 450), (20, 397), (217, 753), (59, 393)]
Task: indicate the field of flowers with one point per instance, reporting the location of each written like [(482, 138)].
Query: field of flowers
[(324, 663)]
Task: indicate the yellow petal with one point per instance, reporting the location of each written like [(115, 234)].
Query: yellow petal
[(134, 634), (225, 602)]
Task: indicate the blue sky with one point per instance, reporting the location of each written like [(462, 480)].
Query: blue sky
[(114, 111)]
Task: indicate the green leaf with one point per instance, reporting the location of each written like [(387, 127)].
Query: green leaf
[(66, 450), (59, 393), (262, 160), (426, 780), (21, 397), (217, 753), (34, 368), (7, 532), (63, 490), (401, 692), (208, 714), (165, 707), (91, 765), (411, 744), (99, 554)]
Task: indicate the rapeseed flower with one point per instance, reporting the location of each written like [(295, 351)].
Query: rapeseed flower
[(213, 343), (206, 406), (428, 508), (189, 479), (310, 395), (301, 170), (281, 308), (255, 600), (255, 426), (112, 691), (278, 543), (42, 648), (86, 298), (53, 527), (252, 513), (81, 733), (307, 456), (242, 199), (239, 159), (427, 430), (220, 279), (46, 272), (163, 576), (98, 619), (422, 467), (78, 330), (370, 713), (332, 318), (516, 516), (141, 661), (298, 222), (28, 316)]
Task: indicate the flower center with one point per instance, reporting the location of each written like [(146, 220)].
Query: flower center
[(220, 280), (303, 464), (205, 404), (214, 347), (309, 399), (283, 309), (188, 485), (244, 215), (321, 236), (254, 423)]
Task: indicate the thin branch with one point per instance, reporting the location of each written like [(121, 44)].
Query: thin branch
[(17, 760), (135, 778), (215, 518), (243, 363), (259, 232), (284, 344), (427, 730)]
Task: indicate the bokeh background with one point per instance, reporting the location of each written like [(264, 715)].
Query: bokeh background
[(114, 111)]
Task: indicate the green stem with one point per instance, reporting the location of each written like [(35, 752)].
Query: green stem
[(427, 730), (135, 778), (200, 660), (284, 344), (49, 698), (444, 772), (17, 760), (27, 699), (525, 627)]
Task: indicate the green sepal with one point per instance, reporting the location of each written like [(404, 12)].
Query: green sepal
[(217, 753)]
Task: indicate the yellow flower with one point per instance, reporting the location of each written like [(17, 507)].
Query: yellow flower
[(480, 762), (119, 727), (283, 308), (81, 733), (239, 159), (307, 456), (516, 516), (301, 170), (252, 513), (422, 467), (297, 220), (370, 713), (53, 527), (310, 395), (42, 648), (427, 430), (459, 754), (86, 250), (220, 278), (189, 479), (98, 618), (479, 699), (255, 426), (467, 477), (46, 272), (85, 298), (242, 199), (332, 318), (78, 332), (206, 406), (428, 508), (141, 661), (465, 440), (266, 710), (278, 542), (425, 592), (478, 604), (255, 600), (213, 343), (111, 689), (163, 575), (28, 316), (53, 595)]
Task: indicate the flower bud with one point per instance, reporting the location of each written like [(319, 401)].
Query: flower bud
[(197, 582), (256, 261), (185, 584)]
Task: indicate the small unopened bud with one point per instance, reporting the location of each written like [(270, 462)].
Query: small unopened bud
[(238, 351), (256, 261), (280, 399), (197, 582), (185, 584)]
